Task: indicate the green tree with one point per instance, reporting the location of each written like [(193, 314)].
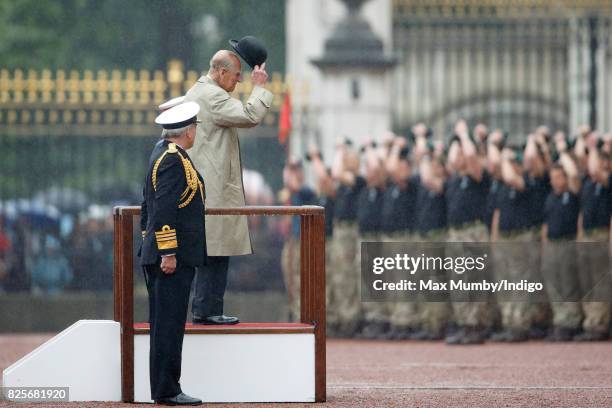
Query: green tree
[(107, 34)]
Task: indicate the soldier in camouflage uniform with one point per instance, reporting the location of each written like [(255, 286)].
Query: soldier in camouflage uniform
[(298, 194), (466, 191), (559, 264), (514, 261), (431, 225), (596, 203), (398, 224), (346, 275), (327, 195), (370, 201)]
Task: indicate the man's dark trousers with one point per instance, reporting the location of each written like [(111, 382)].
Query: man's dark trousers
[(210, 284), (168, 302)]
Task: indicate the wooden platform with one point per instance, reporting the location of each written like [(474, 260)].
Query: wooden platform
[(240, 328)]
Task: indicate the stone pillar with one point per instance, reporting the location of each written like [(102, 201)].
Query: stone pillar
[(339, 48)]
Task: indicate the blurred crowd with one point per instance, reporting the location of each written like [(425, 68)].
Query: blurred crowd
[(474, 186), (50, 252), (60, 241)]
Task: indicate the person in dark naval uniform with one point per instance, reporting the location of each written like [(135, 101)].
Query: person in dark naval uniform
[(174, 244)]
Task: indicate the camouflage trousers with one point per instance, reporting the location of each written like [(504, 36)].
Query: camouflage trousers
[(435, 316), (373, 312), (560, 272), (403, 314), (331, 292), (516, 261), (344, 276), (476, 313), (290, 266), (595, 279)]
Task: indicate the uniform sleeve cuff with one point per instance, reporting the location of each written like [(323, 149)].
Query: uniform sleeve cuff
[(166, 238)]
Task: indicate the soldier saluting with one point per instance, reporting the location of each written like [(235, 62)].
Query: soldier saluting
[(173, 246)]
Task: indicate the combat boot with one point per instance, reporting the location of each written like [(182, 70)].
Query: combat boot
[(467, 335), (562, 334), (510, 336), (591, 335), (400, 333), (331, 330), (427, 335), (374, 331), (474, 335)]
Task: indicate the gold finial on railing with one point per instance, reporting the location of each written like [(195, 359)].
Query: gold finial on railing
[(60, 87), (130, 86), (67, 117), (95, 116), (32, 85), (81, 117), (46, 85), (5, 86), (73, 88), (88, 87), (116, 87), (39, 116), (18, 86), (53, 116), (276, 87), (175, 77), (12, 116), (159, 87), (190, 79), (25, 117), (102, 87), (145, 86)]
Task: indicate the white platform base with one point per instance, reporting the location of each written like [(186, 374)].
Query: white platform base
[(85, 357), (238, 367), (216, 367)]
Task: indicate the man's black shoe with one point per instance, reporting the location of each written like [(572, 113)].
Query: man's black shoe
[(222, 319), (180, 399)]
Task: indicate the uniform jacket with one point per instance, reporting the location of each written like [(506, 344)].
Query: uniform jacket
[(216, 153), (172, 212)]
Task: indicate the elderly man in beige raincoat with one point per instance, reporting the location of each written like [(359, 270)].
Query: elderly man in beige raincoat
[(216, 154)]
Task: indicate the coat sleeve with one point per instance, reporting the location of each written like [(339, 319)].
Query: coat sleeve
[(169, 185), (230, 112)]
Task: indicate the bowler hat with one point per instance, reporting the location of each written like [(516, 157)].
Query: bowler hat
[(251, 50)]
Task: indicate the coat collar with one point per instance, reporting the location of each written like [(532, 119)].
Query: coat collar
[(205, 79)]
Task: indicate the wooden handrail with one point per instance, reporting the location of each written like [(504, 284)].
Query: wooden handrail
[(266, 210), (312, 280)]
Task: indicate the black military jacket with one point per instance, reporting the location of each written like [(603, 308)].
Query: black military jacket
[(172, 212)]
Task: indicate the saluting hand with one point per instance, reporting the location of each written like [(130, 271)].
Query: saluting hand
[(168, 264), (259, 76)]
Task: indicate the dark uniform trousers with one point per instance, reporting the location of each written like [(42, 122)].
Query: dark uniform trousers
[(211, 281), (168, 301)]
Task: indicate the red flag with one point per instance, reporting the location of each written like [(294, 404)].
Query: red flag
[(284, 120)]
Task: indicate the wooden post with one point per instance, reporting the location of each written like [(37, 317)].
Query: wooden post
[(124, 296), (117, 267), (312, 291)]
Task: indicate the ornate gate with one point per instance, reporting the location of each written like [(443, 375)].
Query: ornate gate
[(511, 64)]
